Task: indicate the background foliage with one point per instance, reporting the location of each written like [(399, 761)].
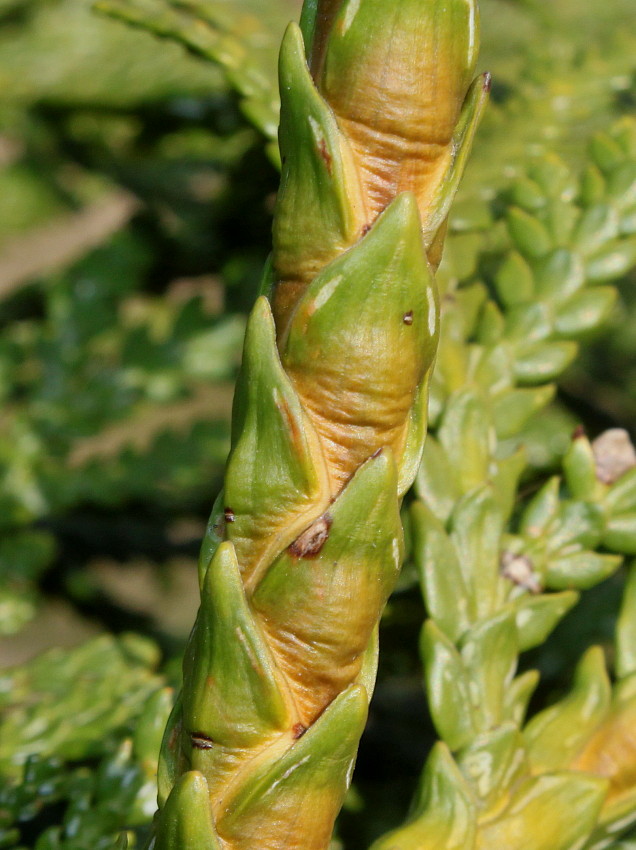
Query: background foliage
[(136, 188)]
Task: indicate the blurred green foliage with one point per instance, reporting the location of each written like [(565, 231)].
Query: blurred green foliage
[(100, 704), (137, 181)]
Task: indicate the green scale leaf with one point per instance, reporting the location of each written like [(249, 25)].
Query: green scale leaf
[(467, 436), (514, 280), (489, 651), (593, 186), (415, 437), (552, 812), (529, 322), (436, 481), (512, 410), (476, 533), (444, 585), (612, 261), (308, 21), (505, 481), (463, 137), (537, 616), (560, 275), (529, 235), (493, 763), (621, 496), (527, 194), (292, 801), (541, 510), (185, 822), (213, 537), (620, 534), (491, 368), (309, 604), (233, 696), (580, 570), (626, 629), (555, 735), (606, 152), (518, 695), (173, 757), (275, 483), (360, 344), (444, 815), (598, 225), (579, 467), (320, 210), (449, 688), (585, 311), (578, 523), (540, 362)]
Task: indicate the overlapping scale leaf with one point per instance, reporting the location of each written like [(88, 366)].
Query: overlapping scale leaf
[(493, 764), (463, 456), (469, 119), (361, 340), (436, 481), (530, 236), (292, 800), (320, 210), (309, 601), (513, 410), (186, 819), (235, 695), (581, 570), (537, 616), (489, 652), (555, 811), (276, 482), (476, 528), (450, 698), (447, 592), (467, 436), (557, 734), (444, 812), (402, 141), (519, 694)]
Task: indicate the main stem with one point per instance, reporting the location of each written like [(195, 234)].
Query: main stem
[(305, 542)]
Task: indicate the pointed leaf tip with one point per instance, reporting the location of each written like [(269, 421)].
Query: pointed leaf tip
[(232, 695), (276, 481), (306, 786), (444, 811), (321, 648), (186, 819), (320, 211), (362, 340)]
